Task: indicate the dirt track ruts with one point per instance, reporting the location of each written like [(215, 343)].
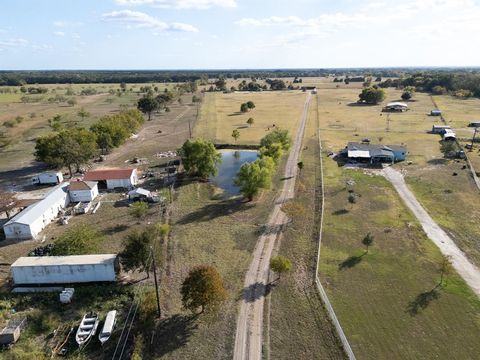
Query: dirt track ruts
[(249, 333)]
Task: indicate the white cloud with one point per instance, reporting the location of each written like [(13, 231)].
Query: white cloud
[(75, 36), (59, 33), (13, 43), (59, 23), (137, 19), (181, 4)]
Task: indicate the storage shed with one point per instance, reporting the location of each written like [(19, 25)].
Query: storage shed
[(11, 333), (435, 112), (396, 106), (113, 178), (64, 269), (139, 194), (31, 221), (440, 129), (83, 191)]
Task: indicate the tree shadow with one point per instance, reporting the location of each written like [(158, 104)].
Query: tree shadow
[(235, 113), (173, 333), (340, 212), (360, 104), (115, 229), (437, 162), (350, 262), (256, 291), (216, 210), (422, 301)]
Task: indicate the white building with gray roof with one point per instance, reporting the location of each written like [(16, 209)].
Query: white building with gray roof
[(31, 221)]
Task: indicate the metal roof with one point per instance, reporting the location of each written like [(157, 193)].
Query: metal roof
[(28, 261), (33, 212), (140, 191), (82, 185), (396, 103), (108, 174)]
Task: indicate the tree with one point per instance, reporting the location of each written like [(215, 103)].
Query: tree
[(7, 202), (136, 251), (244, 108), (300, 166), (221, 84), (203, 287), (80, 239), (408, 93), (352, 199), (277, 136), (66, 148), (123, 86), (250, 105), (372, 95), (274, 151), (235, 134), (250, 121), (83, 113), (199, 157), (280, 264), (255, 176), (445, 268), (138, 209), (147, 104), (368, 241)]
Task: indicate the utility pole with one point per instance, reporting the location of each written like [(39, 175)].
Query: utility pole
[(156, 282), (473, 138)]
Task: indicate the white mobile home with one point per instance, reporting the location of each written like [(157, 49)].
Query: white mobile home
[(50, 178), (83, 191), (113, 178), (28, 223), (64, 269)]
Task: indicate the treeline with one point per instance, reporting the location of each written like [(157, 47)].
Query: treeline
[(74, 147), (459, 84), (18, 78)]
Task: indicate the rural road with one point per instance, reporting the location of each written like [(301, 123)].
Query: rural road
[(469, 272), (249, 334)]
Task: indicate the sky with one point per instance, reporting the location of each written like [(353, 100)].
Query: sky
[(237, 34)]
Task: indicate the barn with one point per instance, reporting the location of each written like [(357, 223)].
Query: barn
[(83, 191), (113, 178), (31, 221)]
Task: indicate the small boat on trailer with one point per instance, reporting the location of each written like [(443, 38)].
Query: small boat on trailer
[(87, 329), (108, 326)]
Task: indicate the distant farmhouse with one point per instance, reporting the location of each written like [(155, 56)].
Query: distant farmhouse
[(396, 107), (113, 178), (375, 153)]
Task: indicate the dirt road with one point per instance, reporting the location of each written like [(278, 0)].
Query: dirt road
[(248, 338), (469, 272)]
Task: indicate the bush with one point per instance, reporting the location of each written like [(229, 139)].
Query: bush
[(139, 209)]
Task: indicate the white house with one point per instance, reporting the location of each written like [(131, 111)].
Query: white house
[(31, 221), (113, 178), (83, 191)]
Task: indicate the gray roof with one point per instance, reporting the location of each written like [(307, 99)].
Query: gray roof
[(375, 149), (140, 191), (34, 211), (64, 260)]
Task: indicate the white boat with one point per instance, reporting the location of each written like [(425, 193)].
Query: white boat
[(108, 326), (88, 328)]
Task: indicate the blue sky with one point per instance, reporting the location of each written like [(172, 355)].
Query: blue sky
[(226, 34)]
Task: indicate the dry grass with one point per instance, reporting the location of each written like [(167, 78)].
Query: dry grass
[(220, 115)]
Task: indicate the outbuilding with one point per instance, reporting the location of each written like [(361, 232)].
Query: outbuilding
[(64, 269), (11, 333), (83, 191), (113, 178), (139, 194), (30, 222), (435, 112), (449, 135), (440, 129), (474, 124), (396, 106)]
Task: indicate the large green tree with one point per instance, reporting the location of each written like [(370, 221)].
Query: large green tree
[(372, 95), (255, 176), (80, 239), (203, 287), (136, 254), (277, 136), (69, 147), (148, 104), (199, 157)]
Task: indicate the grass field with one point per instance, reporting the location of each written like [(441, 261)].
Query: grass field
[(299, 325), (385, 299), (220, 115)]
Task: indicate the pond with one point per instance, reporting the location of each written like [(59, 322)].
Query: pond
[(228, 169)]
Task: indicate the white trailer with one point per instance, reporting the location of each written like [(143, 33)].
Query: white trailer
[(64, 269), (48, 178)]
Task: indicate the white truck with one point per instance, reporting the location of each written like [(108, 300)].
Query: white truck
[(48, 178)]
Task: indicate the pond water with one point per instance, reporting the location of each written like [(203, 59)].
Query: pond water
[(228, 169)]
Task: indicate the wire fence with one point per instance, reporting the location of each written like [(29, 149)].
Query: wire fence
[(321, 290)]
